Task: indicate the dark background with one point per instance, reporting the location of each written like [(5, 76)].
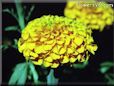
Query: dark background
[(90, 74)]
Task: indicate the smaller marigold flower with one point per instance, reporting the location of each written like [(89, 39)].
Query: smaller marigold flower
[(53, 41), (92, 12)]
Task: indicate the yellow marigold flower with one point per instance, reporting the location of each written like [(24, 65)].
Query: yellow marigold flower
[(95, 14), (52, 41)]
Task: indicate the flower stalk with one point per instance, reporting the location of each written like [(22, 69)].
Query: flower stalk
[(20, 14)]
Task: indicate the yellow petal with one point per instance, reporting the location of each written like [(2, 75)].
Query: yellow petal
[(79, 57), (70, 50), (60, 41), (33, 54), (109, 21), (51, 36), (39, 62), (93, 21), (62, 36), (54, 65), (22, 47), (47, 47), (43, 39), (26, 53), (62, 50), (65, 59), (25, 35), (69, 13), (56, 49), (73, 45), (49, 59), (71, 36), (75, 53), (65, 32), (78, 40), (33, 33), (55, 56), (50, 42), (83, 59), (67, 41), (30, 46), (39, 49), (33, 58), (73, 59), (71, 4), (81, 49), (92, 48), (47, 64), (34, 38)]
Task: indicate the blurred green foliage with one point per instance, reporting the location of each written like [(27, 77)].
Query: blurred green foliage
[(105, 68), (20, 17)]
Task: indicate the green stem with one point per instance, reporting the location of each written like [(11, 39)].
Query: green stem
[(20, 14)]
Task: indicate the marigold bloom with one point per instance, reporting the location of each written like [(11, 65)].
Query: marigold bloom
[(52, 41), (95, 14)]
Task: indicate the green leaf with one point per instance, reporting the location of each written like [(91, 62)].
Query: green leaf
[(30, 12), (11, 12), (107, 64), (11, 28), (80, 66), (34, 73), (20, 14), (18, 72), (104, 69), (23, 77), (51, 80)]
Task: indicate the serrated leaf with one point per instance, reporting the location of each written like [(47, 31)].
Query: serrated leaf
[(18, 71), (11, 12), (51, 80), (11, 28), (34, 73)]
